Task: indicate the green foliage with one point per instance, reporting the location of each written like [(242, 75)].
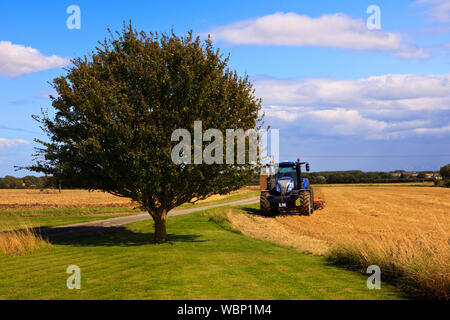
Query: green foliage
[(117, 108), (442, 183), (445, 171), (357, 176), (28, 182)]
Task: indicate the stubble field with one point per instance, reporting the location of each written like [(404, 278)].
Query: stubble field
[(32, 199), (405, 230)]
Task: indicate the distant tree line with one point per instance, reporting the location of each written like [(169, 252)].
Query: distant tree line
[(28, 182), (322, 177), (358, 176)]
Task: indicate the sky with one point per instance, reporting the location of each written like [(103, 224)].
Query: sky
[(345, 93)]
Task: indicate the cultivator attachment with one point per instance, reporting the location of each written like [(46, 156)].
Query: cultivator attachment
[(318, 204)]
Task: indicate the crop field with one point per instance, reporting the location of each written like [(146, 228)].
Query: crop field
[(13, 199), (405, 229), (32, 199), (25, 208)]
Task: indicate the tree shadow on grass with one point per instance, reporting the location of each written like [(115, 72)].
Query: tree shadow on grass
[(110, 236)]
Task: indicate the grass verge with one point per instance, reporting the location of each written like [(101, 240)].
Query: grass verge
[(20, 242), (224, 200), (416, 267)]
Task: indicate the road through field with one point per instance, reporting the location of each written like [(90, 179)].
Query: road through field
[(120, 221)]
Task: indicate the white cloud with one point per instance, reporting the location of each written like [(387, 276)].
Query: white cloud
[(439, 9), (382, 107), (16, 60), (10, 143), (441, 130), (332, 30)]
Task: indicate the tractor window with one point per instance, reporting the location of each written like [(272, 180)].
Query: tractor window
[(287, 172)]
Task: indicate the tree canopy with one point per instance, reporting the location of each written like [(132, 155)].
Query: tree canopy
[(445, 171), (115, 111)]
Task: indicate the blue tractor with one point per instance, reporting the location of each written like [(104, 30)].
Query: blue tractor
[(287, 191)]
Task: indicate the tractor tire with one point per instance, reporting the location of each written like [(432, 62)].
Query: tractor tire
[(263, 208), (305, 203)]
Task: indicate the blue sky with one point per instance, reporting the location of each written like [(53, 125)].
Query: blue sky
[(343, 96)]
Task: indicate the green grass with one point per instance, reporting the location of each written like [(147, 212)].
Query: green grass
[(202, 259), (66, 212), (19, 222)]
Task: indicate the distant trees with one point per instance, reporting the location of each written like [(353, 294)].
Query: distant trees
[(28, 182), (421, 176), (445, 172), (332, 177), (357, 176)]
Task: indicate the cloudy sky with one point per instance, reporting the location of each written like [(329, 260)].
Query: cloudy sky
[(344, 96)]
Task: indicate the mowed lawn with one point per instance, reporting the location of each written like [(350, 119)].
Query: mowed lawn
[(202, 260), (42, 221)]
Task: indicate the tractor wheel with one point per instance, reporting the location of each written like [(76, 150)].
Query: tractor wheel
[(263, 208), (305, 203)]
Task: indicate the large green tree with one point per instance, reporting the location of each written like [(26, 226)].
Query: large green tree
[(115, 111)]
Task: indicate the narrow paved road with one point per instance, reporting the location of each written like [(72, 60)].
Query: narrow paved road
[(120, 221)]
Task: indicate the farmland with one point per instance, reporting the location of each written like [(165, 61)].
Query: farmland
[(32, 199), (202, 259), (14, 199), (48, 208), (405, 229)]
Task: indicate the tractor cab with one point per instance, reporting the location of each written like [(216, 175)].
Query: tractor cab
[(287, 173)]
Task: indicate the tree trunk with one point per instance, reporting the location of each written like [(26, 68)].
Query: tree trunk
[(160, 226), (59, 186)]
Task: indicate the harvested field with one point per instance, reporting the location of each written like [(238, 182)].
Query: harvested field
[(24, 199), (366, 213), (405, 228), (14, 199)]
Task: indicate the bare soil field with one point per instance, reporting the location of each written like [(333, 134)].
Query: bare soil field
[(18, 199), (402, 228)]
